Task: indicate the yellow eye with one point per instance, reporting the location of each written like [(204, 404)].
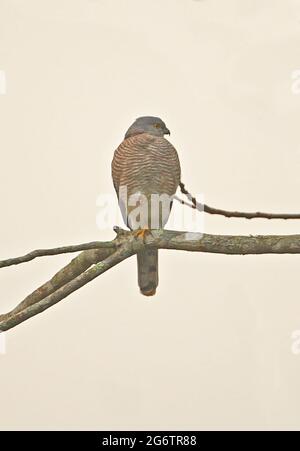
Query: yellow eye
[(157, 125)]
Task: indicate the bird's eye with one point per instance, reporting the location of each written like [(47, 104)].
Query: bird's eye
[(157, 125)]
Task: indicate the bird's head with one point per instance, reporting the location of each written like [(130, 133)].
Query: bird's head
[(148, 124)]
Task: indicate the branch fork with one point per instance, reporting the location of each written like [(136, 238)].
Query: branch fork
[(98, 257)]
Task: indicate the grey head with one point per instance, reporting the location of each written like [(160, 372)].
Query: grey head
[(148, 124)]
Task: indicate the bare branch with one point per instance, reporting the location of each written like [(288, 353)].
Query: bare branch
[(56, 251), (14, 319), (73, 269), (231, 214), (225, 244), (76, 273)]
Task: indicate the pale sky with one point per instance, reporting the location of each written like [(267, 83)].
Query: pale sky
[(213, 348)]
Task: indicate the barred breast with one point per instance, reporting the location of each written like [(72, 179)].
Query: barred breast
[(145, 165)]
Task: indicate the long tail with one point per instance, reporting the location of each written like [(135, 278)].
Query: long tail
[(147, 261)]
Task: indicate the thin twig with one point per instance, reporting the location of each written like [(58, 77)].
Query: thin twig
[(56, 251), (233, 214), (184, 202)]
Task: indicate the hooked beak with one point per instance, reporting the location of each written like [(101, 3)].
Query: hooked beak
[(167, 131)]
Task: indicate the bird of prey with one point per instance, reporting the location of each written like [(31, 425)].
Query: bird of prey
[(146, 169)]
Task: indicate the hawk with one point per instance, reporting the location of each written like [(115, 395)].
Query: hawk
[(146, 174)]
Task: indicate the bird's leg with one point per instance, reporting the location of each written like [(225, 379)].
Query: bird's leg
[(142, 233)]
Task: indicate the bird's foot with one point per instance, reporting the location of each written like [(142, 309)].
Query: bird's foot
[(142, 233)]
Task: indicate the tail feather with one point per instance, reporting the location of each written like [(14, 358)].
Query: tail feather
[(147, 261)]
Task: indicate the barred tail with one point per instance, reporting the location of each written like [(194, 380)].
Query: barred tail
[(147, 261)]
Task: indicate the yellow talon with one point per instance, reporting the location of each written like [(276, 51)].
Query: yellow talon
[(142, 233)]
